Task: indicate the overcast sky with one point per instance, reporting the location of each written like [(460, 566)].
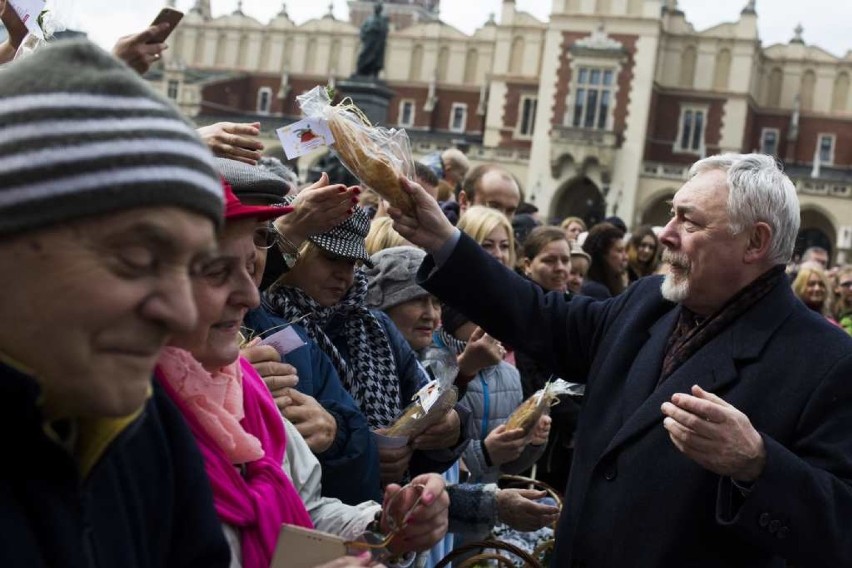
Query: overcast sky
[(826, 22)]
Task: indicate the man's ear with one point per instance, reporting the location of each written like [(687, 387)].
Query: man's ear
[(759, 241), (463, 202)]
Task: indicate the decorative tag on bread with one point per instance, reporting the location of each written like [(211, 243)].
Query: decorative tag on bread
[(376, 156), (303, 137)]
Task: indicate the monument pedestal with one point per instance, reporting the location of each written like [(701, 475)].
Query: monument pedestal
[(370, 95)]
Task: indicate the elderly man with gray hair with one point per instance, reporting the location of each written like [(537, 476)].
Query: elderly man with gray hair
[(717, 423), (109, 203)]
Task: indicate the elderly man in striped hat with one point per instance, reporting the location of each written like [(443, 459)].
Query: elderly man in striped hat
[(109, 203)]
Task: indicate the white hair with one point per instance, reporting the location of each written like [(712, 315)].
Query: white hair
[(758, 190)]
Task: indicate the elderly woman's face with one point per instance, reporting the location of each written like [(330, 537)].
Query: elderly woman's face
[(87, 307), (224, 293), (323, 276), (416, 319)]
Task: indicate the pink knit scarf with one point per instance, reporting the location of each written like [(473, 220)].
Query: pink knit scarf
[(262, 498)]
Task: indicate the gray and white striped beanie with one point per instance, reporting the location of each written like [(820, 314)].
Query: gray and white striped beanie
[(82, 134)]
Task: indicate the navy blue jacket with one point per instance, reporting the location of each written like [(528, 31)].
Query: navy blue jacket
[(350, 467), (632, 498), (145, 503)]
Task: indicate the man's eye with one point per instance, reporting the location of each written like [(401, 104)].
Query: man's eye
[(137, 259)]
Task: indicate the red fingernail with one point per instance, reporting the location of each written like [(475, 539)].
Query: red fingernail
[(355, 201), (357, 190)]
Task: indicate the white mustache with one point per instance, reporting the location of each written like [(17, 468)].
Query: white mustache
[(675, 259)]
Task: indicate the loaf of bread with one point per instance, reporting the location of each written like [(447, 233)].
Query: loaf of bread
[(368, 162), (526, 416), (414, 421)]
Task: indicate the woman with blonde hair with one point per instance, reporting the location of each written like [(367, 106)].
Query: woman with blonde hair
[(492, 230), (812, 287), (383, 236), (573, 226)]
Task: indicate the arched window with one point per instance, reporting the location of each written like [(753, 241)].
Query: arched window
[(687, 67), (516, 56), (722, 71), (840, 94)]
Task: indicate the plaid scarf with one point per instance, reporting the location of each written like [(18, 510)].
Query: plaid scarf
[(370, 375), (691, 333)]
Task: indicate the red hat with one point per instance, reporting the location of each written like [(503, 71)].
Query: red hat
[(235, 209)]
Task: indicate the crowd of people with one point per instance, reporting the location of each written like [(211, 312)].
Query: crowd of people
[(198, 349)]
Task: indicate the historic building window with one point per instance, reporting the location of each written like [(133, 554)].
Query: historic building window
[(593, 96), (526, 116), (406, 113), (172, 89), (264, 100), (458, 117), (769, 141), (825, 148), (690, 137)]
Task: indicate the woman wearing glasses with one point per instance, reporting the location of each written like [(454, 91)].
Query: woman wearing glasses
[(241, 434), (325, 289)]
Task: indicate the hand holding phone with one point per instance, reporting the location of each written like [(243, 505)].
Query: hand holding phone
[(166, 16)]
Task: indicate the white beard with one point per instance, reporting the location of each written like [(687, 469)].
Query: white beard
[(674, 290)]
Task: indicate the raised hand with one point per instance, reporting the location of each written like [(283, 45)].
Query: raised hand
[(234, 141), (429, 228), (140, 50), (715, 435), (318, 208), (482, 351)]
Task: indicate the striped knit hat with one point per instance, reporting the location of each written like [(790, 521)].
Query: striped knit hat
[(81, 134)]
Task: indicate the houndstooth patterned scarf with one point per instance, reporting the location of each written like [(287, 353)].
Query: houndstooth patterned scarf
[(370, 375)]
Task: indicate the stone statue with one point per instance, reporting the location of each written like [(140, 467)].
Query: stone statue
[(374, 35)]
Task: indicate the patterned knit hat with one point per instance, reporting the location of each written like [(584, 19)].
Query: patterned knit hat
[(347, 238), (81, 134), (252, 183), (392, 280)]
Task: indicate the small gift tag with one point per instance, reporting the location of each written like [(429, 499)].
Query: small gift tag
[(284, 341), (428, 395), (304, 136), (28, 11)]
